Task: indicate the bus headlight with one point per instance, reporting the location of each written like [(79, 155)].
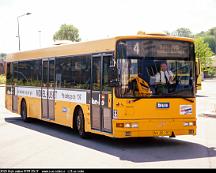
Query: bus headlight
[(134, 125), (131, 125), (189, 123), (127, 125)]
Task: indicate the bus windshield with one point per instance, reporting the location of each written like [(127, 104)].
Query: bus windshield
[(155, 68)]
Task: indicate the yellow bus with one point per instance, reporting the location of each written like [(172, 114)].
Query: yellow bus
[(107, 86)]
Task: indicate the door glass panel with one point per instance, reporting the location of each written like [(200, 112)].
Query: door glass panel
[(45, 72), (51, 90), (107, 119), (15, 70), (51, 73), (96, 73), (14, 84), (45, 90), (105, 80), (9, 73), (106, 96), (96, 79)]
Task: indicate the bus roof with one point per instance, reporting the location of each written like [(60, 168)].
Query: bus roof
[(82, 48)]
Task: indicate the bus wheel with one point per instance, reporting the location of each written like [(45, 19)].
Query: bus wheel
[(80, 124), (24, 111)]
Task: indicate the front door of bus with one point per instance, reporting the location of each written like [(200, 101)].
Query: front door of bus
[(101, 95), (48, 90)]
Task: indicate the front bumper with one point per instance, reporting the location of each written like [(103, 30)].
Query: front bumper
[(151, 128)]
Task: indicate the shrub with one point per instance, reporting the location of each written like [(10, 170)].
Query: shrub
[(2, 79)]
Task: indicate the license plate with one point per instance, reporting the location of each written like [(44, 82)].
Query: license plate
[(162, 133)]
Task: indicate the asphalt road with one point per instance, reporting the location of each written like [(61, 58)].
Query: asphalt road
[(43, 145)]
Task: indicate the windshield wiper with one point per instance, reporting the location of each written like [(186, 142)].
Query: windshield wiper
[(192, 101), (135, 100), (177, 92)]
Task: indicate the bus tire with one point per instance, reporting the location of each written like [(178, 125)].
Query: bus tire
[(24, 115), (80, 123)]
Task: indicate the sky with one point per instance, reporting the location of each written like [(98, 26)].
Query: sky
[(98, 19)]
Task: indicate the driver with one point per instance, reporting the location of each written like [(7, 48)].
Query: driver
[(164, 79)]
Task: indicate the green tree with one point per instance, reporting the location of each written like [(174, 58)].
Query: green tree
[(204, 53), (183, 32), (167, 32), (211, 41), (3, 55), (212, 31), (67, 32), (201, 34), (209, 37)]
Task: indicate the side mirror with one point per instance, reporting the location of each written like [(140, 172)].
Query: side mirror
[(113, 76)]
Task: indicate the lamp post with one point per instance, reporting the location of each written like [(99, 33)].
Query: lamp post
[(39, 34), (18, 26)]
